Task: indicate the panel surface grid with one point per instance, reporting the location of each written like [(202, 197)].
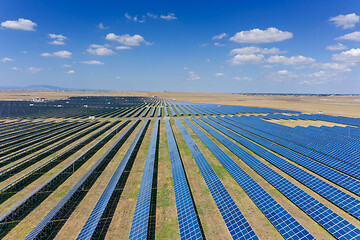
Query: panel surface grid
[(140, 223), (92, 222), (338, 197), (188, 223), (235, 221), (278, 216), (342, 229)]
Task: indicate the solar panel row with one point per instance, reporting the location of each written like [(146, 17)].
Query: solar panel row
[(288, 227), (188, 222), (235, 221), (49, 222), (332, 222), (316, 144), (184, 110), (338, 197), (140, 222), (93, 221), (152, 114)]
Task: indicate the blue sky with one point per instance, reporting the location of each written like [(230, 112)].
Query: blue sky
[(203, 46)]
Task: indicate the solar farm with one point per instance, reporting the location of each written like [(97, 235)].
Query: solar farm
[(151, 168)]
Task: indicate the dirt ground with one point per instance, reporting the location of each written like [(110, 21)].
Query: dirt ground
[(332, 105)]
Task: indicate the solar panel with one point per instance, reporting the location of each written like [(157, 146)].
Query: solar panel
[(234, 219), (341, 229), (338, 197), (92, 222), (188, 223), (288, 227), (50, 218), (140, 222)]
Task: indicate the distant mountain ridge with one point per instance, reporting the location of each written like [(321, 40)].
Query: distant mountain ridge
[(41, 88)]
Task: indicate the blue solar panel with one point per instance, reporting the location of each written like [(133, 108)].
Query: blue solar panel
[(341, 229), (92, 222), (62, 204), (338, 197), (140, 223), (172, 111), (152, 114), (278, 216), (188, 223), (237, 225), (185, 111)]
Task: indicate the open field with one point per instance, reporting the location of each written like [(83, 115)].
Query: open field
[(150, 167), (332, 105)]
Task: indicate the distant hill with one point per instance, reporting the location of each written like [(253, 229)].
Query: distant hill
[(41, 88)]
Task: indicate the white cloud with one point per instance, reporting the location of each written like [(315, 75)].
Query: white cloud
[(34, 69), (220, 36), (253, 49), (102, 26), (61, 54), (193, 76), (122, 47), (345, 21), (261, 36), (170, 16), (70, 72), (354, 36), (67, 65), (21, 24), (58, 39), (286, 74), (219, 74), (135, 18), (6, 59), (345, 67), (127, 39), (208, 60), (352, 55), (218, 44), (46, 54), (294, 60), (336, 47), (57, 42), (128, 16), (25, 52), (93, 62), (283, 72), (242, 78), (323, 77), (281, 76), (57, 36), (241, 59), (98, 45), (29, 69), (117, 77), (99, 50), (151, 15)]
